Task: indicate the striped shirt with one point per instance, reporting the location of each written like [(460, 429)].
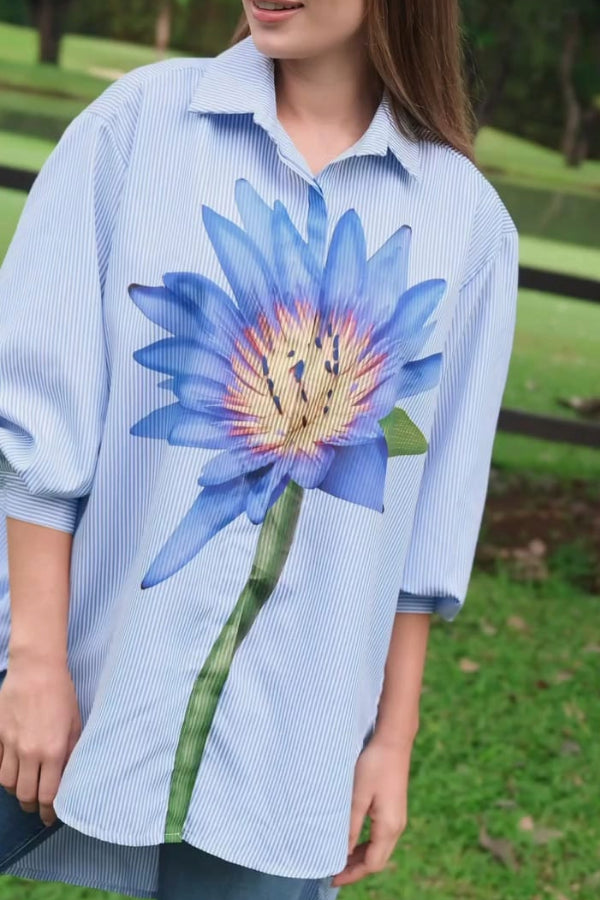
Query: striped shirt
[(263, 401)]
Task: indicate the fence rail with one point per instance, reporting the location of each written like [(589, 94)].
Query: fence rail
[(515, 421)]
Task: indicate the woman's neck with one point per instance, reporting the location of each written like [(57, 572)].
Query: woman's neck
[(326, 103)]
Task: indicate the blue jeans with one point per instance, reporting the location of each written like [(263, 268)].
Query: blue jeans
[(184, 872)]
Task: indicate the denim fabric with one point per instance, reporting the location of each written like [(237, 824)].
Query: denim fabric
[(186, 873), (20, 831)]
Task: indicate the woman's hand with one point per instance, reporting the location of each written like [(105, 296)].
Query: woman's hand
[(381, 792), (39, 726)]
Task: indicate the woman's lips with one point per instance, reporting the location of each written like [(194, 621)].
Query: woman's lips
[(274, 15)]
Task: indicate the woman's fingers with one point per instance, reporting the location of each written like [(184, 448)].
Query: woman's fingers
[(27, 782), (9, 770), (40, 724), (50, 776)]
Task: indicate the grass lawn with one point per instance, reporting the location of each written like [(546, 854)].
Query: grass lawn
[(510, 746), (555, 356), (557, 256), (49, 80), (79, 53), (23, 151), (11, 204), (531, 164)]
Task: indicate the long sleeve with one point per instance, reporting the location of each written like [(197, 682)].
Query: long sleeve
[(452, 495), (53, 373)]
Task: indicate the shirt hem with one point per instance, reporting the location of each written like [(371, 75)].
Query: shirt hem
[(206, 846), (101, 835), (92, 883)]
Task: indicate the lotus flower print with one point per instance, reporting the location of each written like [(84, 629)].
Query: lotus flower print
[(289, 378)]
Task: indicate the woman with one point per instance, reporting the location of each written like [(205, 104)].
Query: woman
[(256, 325)]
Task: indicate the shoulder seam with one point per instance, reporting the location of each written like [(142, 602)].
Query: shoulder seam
[(504, 232), (106, 121)]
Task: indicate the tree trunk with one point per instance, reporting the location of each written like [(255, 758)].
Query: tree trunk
[(49, 18), (164, 21), (573, 116), (486, 108)]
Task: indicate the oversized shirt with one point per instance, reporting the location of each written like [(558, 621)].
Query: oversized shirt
[(263, 401)]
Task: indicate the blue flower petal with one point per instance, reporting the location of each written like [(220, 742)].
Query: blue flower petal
[(346, 268), (224, 324), (198, 430), (180, 427), (172, 312), (166, 384), (178, 356), (230, 465), (297, 269), (317, 225), (245, 267), (265, 492), (364, 428), (213, 510), (414, 378), (197, 393), (380, 401), (387, 271), (309, 470), (419, 375), (357, 474), (256, 216), (412, 311), (159, 423)]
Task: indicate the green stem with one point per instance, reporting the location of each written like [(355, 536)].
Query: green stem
[(274, 542)]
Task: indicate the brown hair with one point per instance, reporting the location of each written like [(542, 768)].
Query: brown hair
[(416, 48)]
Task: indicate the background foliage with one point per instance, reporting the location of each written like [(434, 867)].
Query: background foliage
[(534, 68)]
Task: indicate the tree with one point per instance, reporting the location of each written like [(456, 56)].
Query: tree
[(580, 78), (49, 18), (533, 70), (164, 23)]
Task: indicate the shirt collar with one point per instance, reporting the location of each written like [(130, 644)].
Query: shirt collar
[(241, 80)]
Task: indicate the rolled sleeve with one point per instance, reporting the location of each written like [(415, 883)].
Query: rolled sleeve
[(17, 501), (53, 371), (452, 494)]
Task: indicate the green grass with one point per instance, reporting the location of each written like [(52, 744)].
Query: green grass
[(11, 203), (555, 353), (79, 53), (23, 151), (557, 256), (49, 79), (492, 750), (555, 356), (37, 115), (40, 100), (531, 164)]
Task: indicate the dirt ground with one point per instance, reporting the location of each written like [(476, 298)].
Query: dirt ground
[(538, 526)]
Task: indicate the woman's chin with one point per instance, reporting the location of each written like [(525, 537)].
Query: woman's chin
[(278, 45)]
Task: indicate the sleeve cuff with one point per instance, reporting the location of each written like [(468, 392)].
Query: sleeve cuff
[(18, 502), (446, 607)]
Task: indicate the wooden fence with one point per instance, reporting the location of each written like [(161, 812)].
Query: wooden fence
[(516, 421)]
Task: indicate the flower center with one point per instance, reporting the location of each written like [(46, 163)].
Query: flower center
[(301, 381)]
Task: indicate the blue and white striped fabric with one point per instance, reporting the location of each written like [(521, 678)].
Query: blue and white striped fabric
[(183, 167)]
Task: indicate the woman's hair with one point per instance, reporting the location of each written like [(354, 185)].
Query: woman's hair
[(416, 48)]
